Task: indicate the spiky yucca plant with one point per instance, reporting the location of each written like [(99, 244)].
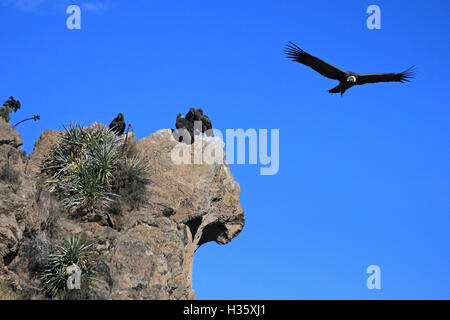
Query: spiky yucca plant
[(77, 251), (88, 169), (81, 167), (134, 168)]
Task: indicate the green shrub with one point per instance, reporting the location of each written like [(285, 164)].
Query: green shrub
[(74, 251), (81, 167), (131, 179), (37, 249), (87, 169)]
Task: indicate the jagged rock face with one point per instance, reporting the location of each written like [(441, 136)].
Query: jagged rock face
[(8, 135), (203, 196), (147, 253)]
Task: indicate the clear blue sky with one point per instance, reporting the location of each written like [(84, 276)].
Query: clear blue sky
[(364, 178)]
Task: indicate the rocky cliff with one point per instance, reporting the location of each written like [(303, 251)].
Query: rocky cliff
[(144, 253)]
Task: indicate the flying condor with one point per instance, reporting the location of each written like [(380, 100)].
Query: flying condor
[(347, 79)]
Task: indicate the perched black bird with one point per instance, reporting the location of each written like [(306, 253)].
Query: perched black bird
[(206, 123), (118, 125), (185, 128), (347, 79), (197, 115), (192, 115)]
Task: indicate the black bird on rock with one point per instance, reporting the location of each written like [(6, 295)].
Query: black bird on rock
[(192, 115), (206, 123), (197, 115), (118, 125), (347, 79), (185, 129)]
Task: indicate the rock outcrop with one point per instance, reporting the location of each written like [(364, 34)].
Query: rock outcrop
[(8, 135), (145, 253)]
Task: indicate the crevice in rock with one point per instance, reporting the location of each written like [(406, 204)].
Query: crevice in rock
[(193, 225), (9, 257), (211, 232), (167, 212)]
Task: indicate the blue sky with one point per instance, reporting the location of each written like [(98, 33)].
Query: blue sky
[(364, 179)]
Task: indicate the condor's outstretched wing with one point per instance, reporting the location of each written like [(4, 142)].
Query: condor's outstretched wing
[(386, 77), (296, 54)]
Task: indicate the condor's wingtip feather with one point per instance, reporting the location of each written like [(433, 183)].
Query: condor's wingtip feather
[(408, 74), (293, 51)]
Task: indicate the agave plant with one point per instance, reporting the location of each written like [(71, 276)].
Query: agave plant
[(135, 168), (87, 169), (76, 251), (104, 151), (66, 155), (81, 167), (85, 190)]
